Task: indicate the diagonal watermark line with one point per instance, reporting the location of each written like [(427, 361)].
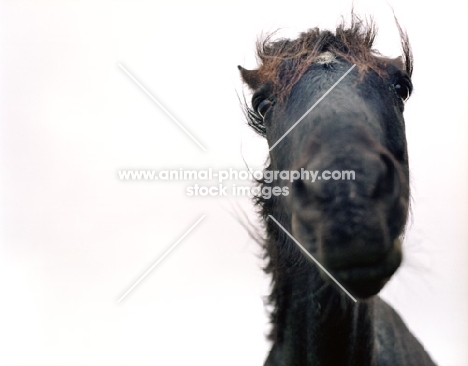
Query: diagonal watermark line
[(160, 259), (160, 106), (315, 104), (311, 257)]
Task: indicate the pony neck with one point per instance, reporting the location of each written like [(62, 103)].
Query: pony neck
[(322, 326)]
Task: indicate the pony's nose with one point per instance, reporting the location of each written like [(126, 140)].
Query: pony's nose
[(373, 176)]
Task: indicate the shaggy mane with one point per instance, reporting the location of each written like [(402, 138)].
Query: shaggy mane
[(284, 61)]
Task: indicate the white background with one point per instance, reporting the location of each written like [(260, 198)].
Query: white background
[(74, 238)]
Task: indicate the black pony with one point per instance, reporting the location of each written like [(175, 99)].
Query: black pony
[(328, 103)]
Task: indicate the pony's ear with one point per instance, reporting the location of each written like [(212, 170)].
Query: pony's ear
[(398, 62), (250, 77)]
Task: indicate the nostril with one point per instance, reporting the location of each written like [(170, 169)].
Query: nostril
[(299, 193), (376, 176), (313, 193), (306, 193), (389, 184)]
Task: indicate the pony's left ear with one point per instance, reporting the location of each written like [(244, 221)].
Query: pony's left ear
[(398, 62), (250, 77)]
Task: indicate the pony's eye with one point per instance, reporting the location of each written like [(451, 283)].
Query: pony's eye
[(263, 107), (403, 91)]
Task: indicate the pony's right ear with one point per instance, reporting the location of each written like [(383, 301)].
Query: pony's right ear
[(398, 62), (250, 77)]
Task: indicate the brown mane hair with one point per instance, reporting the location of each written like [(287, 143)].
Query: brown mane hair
[(283, 61)]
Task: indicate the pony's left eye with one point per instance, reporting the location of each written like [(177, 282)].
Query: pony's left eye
[(403, 91), (263, 107)]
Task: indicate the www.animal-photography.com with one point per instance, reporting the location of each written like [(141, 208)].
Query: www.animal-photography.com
[(233, 183)]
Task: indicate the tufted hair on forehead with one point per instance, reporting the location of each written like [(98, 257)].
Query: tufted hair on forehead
[(284, 61)]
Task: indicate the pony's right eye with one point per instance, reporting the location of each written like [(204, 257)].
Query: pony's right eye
[(263, 107), (403, 91), (403, 87)]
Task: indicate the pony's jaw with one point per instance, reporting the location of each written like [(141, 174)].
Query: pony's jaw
[(362, 266), (366, 281)]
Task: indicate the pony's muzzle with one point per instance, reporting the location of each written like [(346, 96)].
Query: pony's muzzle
[(344, 219), (344, 179)]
